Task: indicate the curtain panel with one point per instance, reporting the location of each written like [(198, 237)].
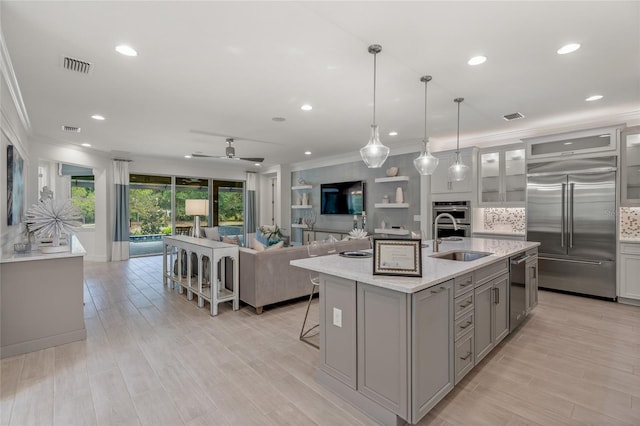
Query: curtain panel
[(120, 244)]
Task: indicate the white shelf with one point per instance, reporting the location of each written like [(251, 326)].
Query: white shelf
[(295, 188), (392, 179), (299, 225), (391, 231), (301, 206), (391, 205)]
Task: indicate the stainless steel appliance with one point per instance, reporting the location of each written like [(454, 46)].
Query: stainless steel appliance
[(460, 210), (571, 207), (517, 290)]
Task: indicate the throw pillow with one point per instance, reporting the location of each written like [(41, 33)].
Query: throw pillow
[(257, 245), (264, 239), (212, 233), (230, 240), (276, 246)]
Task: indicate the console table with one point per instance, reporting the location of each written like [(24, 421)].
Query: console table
[(204, 282)]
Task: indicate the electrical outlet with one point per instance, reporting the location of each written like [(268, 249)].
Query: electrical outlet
[(337, 317)]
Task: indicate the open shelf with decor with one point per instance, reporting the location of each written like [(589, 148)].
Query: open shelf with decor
[(299, 225), (392, 179), (391, 205), (301, 187), (302, 206)]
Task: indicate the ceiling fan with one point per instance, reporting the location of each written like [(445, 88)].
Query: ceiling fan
[(230, 153)]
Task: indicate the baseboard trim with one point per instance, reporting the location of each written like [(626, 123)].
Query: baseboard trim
[(43, 343)]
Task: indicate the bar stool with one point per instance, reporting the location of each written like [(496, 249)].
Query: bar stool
[(315, 248)]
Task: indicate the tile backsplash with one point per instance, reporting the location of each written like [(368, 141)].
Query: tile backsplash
[(629, 222), (500, 220)]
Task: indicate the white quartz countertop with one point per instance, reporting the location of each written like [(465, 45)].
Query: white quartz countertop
[(498, 233), (434, 271), (630, 240), (76, 249)]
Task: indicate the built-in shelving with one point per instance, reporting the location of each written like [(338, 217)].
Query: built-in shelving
[(299, 225), (392, 179), (302, 206), (299, 187), (391, 231), (391, 205)]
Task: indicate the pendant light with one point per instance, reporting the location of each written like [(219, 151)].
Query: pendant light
[(374, 154), (426, 163), (458, 171)]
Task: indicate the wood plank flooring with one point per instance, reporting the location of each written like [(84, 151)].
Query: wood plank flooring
[(153, 358)]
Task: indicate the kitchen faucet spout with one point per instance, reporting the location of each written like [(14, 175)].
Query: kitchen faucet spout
[(436, 241)]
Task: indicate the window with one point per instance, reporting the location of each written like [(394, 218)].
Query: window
[(83, 196)]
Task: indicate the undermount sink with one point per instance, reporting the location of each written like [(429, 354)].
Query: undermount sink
[(461, 256)]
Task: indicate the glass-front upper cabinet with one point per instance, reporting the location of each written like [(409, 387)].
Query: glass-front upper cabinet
[(502, 179), (630, 138)]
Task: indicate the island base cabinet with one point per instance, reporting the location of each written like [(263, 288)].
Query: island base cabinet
[(491, 315), (433, 348), (338, 333), (383, 318)]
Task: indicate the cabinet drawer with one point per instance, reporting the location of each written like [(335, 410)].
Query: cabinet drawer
[(464, 357), (630, 248), (463, 326), (482, 275), (463, 284), (463, 305)]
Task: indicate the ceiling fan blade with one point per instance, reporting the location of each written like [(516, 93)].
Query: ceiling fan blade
[(204, 156), (253, 160), (206, 133)]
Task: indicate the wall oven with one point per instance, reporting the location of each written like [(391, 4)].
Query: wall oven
[(460, 210)]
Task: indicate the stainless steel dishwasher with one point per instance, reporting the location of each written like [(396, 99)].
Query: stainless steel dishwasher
[(518, 290)]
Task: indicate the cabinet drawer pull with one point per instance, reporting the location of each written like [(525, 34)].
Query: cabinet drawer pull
[(466, 304), (496, 292), (441, 289), (465, 284), (467, 324), (466, 357)]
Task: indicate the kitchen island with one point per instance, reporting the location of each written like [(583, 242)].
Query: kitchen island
[(395, 346)]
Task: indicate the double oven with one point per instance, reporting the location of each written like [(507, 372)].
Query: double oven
[(460, 210)]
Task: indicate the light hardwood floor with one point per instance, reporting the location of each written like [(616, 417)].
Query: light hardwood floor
[(151, 357)]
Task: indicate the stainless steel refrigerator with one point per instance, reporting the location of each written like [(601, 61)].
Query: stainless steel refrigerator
[(571, 206)]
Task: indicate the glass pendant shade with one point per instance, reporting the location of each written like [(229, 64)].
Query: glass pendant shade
[(374, 154), (458, 171), (426, 163)]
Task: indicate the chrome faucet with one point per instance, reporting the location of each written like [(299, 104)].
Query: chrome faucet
[(436, 241)]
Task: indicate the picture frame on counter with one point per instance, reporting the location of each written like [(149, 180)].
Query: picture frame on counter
[(400, 257)]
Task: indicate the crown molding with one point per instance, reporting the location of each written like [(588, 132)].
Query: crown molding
[(6, 69)]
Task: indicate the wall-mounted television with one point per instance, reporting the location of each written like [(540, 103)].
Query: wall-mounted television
[(342, 197)]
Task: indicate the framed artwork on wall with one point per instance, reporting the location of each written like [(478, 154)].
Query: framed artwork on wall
[(15, 186)]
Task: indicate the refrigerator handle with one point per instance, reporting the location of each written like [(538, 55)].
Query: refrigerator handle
[(563, 219), (570, 220)]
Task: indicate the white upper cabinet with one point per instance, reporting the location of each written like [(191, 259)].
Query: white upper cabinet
[(440, 183), (587, 142), (501, 176), (630, 166)]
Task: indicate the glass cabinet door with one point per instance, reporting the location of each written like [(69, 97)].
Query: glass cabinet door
[(631, 166), (514, 176), (490, 186)]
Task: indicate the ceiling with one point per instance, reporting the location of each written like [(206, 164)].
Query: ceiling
[(228, 68)]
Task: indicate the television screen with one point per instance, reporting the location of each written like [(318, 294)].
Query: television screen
[(342, 198)]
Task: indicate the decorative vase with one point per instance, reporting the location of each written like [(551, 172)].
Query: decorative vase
[(392, 171), (385, 199), (305, 199), (399, 196)]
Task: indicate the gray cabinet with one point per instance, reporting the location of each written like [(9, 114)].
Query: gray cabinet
[(440, 182), (382, 328), (501, 176), (629, 273), (491, 315), (432, 351), (630, 170)]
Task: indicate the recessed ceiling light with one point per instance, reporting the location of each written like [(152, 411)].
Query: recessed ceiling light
[(86, 144), (126, 50), (97, 117), (306, 107), (593, 98), (568, 48), (187, 156), (278, 119), (568, 143), (394, 133), (477, 60), (307, 153), (257, 164)]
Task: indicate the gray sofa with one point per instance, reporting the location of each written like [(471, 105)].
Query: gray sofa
[(267, 277)]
